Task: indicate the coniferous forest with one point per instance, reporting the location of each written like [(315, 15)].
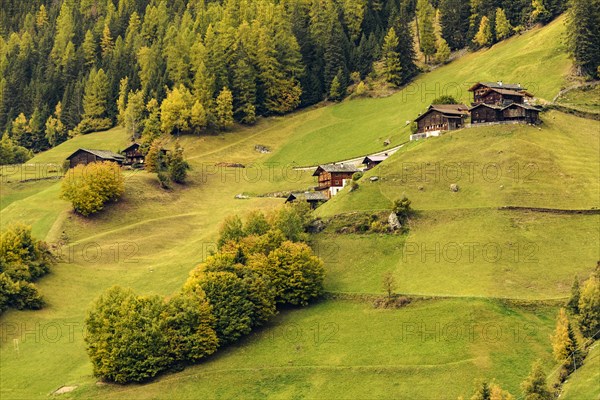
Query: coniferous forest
[(75, 66)]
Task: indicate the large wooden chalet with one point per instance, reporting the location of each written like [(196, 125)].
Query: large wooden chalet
[(88, 156), (333, 177), (441, 117), (502, 102)]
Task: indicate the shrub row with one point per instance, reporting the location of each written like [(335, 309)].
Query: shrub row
[(133, 338)]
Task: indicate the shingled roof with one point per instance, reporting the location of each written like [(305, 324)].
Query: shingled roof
[(498, 85), (492, 106), (335, 168), (502, 108), (103, 154), (133, 146), (308, 196), (449, 110)]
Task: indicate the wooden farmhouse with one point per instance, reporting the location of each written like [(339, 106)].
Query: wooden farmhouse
[(312, 198), (502, 103), (133, 155), (333, 177), (88, 156), (373, 161), (439, 118)]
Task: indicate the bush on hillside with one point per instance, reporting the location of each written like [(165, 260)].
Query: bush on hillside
[(228, 296), (292, 220), (23, 259), (12, 153), (260, 291), (357, 175), (19, 295), (402, 209), (132, 338), (125, 339), (445, 99), (232, 230), (178, 166), (296, 274), (90, 187), (187, 323)]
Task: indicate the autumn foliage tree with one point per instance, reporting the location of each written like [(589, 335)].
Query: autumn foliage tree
[(232, 292), (187, 323), (484, 36), (124, 336), (90, 187), (565, 348), (229, 296), (535, 387), (589, 306), (296, 274), (391, 58), (23, 260)]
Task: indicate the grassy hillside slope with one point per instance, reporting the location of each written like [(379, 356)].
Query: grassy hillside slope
[(556, 165), (462, 236), (535, 59), (152, 238)]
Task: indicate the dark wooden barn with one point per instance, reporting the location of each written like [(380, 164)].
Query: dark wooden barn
[(312, 198), (88, 156), (442, 117), (373, 161), (133, 154), (498, 93), (502, 102), (490, 113)]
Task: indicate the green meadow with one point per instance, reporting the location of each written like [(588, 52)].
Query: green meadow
[(339, 347), (468, 329)]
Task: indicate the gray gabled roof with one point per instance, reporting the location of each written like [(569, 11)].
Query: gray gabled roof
[(308, 196), (104, 154), (492, 106), (498, 85), (335, 168), (448, 110), (525, 106), (502, 108)]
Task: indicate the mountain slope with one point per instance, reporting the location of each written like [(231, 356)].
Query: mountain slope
[(536, 59), (151, 239)]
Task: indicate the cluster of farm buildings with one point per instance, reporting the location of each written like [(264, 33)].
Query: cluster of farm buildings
[(493, 103), (131, 156)]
